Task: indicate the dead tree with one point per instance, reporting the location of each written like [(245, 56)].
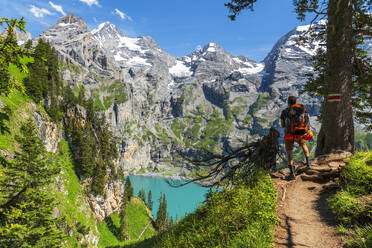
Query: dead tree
[(234, 165)]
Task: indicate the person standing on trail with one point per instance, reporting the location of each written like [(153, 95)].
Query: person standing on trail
[(296, 122)]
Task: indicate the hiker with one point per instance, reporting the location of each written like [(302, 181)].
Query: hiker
[(296, 122)]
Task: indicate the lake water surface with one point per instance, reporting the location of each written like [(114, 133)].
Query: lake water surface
[(180, 201)]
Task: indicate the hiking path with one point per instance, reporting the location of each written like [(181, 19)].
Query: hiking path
[(305, 218)]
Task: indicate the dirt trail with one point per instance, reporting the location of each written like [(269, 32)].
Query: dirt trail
[(305, 218)]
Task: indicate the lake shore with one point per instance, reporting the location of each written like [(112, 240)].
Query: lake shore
[(172, 177)]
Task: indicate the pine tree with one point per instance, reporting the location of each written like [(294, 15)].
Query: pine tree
[(11, 53), (26, 205), (161, 216), (349, 21), (128, 188), (99, 177), (37, 82), (150, 203), (123, 230), (142, 195)]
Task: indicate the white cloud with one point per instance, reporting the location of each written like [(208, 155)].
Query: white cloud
[(91, 2), (122, 15), (58, 8), (39, 12)]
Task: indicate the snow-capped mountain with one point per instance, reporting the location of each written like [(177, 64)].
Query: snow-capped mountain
[(173, 101)]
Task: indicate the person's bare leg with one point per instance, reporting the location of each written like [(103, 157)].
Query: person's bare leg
[(306, 153), (289, 149)]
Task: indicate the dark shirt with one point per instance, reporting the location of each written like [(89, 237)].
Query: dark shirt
[(283, 117), (285, 114)]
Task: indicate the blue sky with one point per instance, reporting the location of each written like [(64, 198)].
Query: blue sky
[(179, 26)]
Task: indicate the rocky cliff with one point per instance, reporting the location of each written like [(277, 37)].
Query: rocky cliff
[(155, 101)]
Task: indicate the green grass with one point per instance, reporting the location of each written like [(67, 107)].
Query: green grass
[(262, 101), (352, 205), (67, 188), (18, 104), (243, 216), (97, 102), (138, 218), (73, 205)]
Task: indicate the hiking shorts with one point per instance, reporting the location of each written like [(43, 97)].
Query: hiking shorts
[(289, 144)]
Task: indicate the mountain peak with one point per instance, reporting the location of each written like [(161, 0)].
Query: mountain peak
[(104, 26), (71, 18), (211, 47)]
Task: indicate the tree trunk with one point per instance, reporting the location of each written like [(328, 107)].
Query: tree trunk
[(337, 130)]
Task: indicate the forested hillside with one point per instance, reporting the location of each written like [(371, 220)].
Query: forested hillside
[(56, 151)]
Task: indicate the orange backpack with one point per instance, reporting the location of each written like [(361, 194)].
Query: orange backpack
[(299, 119)]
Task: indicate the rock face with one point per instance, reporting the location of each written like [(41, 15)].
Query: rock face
[(101, 205), (155, 102), (104, 206), (48, 130), (21, 37)]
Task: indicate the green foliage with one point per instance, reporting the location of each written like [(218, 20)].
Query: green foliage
[(123, 229), (362, 238), (43, 81), (216, 127), (15, 104), (161, 221), (18, 74), (243, 216), (356, 177), (128, 188), (263, 100), (73, 206), (247, 119), (113, 93), (25, 206), (162, 134), (93, 144), (11, 55), (177, 127), (363, 140), (142, 195), (353, 203), (97, 102), (137, 219), (149, 202)]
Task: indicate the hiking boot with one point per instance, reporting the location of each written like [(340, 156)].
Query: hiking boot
[(308, 163), (292, 175)]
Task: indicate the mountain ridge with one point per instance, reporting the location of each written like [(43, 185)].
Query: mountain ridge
[(174, 101)]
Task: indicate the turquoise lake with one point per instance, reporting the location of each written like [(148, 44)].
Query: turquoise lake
[(180, 201)]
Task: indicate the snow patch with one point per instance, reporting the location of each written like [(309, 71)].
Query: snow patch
[(180, 70), (99, 28), (237, 60), (211, 47), (137, 61), (118, 57), (130, 43), (257, 68), (187, 59), (62, 24)]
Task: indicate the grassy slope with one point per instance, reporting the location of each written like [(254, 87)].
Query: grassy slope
[(239, 217), (138, 218), (70, 195), (67, 188), (353, 203), (72, 199)]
